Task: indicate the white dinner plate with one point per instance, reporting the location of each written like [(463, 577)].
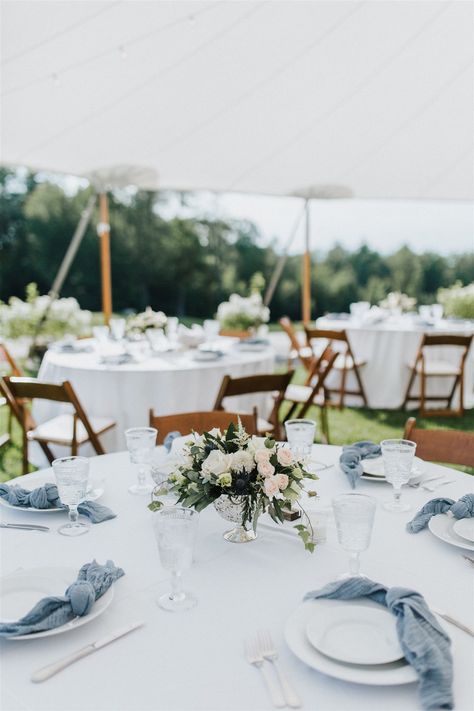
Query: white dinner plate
[(206, 356), (21, 590), (375, 468), (353, 634), (465, 528), (442, 526), (92, 495), (394, 673)]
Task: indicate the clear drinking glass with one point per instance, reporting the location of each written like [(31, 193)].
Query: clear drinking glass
[(172, 323), (101, 334), (354, 514), (211, 329), (175, 530), (300, 435), (117, 328), (397, 455), (141, 442), (157, 339), (72, 476)]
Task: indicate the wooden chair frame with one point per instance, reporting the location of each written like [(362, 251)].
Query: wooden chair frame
[(428, 341), (6, 357), (200, 422), (247, 385), (297, 349), (446, 446), (23, 390), (340, 336)]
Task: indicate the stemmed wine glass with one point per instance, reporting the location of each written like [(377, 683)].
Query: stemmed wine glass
[(141, 443), (72, 476), (300, 435), (397, 457), (175, 530), (354, 514)]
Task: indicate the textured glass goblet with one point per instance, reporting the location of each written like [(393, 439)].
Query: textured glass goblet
[(141, 443), (72, 476), (397, 457), (354, 514)]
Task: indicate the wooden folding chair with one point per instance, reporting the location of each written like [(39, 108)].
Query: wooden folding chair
[(426, 368), (298, 351), (313, 394), (8, 366), (69, 429), (271, 383), (446, 446), (345, 363), (200, 422)]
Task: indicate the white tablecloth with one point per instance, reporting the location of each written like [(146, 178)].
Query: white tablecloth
[(169, 383), (389, 349), (194, 661)]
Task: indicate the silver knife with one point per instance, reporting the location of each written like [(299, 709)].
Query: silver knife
[(55, 667), (453, 621), (24, 526)]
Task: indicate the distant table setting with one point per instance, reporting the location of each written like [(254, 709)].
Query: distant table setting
[(388, 343), (122, 380), (85, 619)]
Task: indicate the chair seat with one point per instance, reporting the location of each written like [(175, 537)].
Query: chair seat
[(438, 367), (59, 429), (264, 425), (301, 393), (342, 361)]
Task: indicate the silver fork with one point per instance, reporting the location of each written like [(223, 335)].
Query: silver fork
[(268, 650), (254, 657), (426, 481), (437, 485)]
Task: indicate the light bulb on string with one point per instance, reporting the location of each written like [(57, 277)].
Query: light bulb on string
[(123, 53)]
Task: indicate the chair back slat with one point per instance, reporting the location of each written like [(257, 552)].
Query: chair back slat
[(30, 389), (313, 334), (445, 446), (447, 340), (201, 422), (287, 326)]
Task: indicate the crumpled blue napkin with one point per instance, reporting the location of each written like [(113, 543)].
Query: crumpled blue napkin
[(169, 439), (424, 643), (47, 497), (463, 508), (92, 582), (350, 459)]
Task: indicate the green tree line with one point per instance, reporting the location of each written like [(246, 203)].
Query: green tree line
[(188, 266)]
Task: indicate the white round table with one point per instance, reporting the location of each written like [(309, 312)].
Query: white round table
[(389, 349), (195, 660), (169, 383)]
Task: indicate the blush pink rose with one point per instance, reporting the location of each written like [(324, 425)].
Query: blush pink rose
[(266, 469), (271, 487), (263, 455), (282, 481), (284, 456)]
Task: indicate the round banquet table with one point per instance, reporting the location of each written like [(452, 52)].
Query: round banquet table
[(388, 350), (169, 383), (194, 660)]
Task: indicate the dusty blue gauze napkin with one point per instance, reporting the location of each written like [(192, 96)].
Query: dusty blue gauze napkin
[(92, 582), (352, 455), (463, 508), (47, 497), (425, 645), (169, 439)]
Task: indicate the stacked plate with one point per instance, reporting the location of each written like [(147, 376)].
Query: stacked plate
[(353, 640), (374, 470), (456, 532)]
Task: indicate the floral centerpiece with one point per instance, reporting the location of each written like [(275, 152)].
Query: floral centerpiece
[(243, 476), (397, 301), (458, 300), (242, 312), (141, 322)]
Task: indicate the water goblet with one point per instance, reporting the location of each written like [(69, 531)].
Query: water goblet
[(211, 329), (117, 328), (300, 435), (354, 514), (101, 334), (397, 455), (175, 530), (72, 475), (141, 443), (172, 323)]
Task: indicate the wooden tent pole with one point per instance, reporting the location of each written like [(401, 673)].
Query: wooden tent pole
[(104, 233), (306, 276)]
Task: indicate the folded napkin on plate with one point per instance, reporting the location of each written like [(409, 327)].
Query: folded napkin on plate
[(424, 643), (168, 441), (92, 582), (352, 455), (47, 497), (463, 508)]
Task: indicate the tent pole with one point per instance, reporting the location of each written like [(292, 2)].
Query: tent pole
[(104, 233), (306, 277)]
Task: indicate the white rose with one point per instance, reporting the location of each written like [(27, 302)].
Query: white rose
[(263, 455), (271, 488), (266, 469), (284, 456), (216, 463)]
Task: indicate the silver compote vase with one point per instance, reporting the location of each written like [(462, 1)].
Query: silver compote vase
[(230, 508)]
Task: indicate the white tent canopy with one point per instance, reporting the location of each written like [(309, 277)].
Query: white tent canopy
[(267, 97)]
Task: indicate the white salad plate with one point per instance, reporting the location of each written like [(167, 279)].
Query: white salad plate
[(353, 634), (442, 526), (91, 495), (373, 470), (205, 356), (465, 528), (392, 673), (21, 590)]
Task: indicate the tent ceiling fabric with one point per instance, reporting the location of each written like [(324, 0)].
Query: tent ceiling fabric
[(264, 97)]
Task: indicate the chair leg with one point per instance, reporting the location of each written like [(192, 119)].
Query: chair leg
[(408, 390), (342, 391), (324, 424)]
